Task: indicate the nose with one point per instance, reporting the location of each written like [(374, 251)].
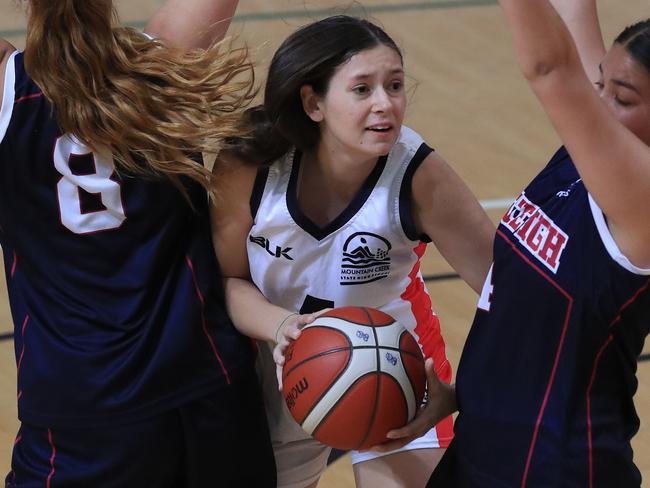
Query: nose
[(381, 101), (608, 99)]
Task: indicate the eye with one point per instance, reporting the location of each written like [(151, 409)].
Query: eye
[(621, 102), (361, 89), (396, 85)]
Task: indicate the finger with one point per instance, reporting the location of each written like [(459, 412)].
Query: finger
[(278, 356), (278, 374), (390, 445), (429, 369), (321, 312), (292, 332), (417, 427)]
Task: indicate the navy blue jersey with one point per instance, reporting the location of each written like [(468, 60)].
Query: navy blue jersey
[(113, 283), (547, 376)]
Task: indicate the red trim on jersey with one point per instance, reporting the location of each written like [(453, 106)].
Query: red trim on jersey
[(429, 336), (28, 97), (589, 431), (22, 351), (629, 302), (13, 265), (52, 458), (558, 352), (204, 324), (592, 380)]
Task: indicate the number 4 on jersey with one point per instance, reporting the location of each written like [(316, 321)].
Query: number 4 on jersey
[(96, 182)]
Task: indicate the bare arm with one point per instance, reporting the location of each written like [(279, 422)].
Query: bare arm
[(581, 18), (192, 23), (5, 51), (231, 221), (447, 211), (613, 162), (250, 311)]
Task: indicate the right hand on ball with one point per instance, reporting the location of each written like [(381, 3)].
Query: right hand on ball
[(289, 331)]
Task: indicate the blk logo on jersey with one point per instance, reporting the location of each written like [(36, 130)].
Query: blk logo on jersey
[(365, 259), (536, 231), (278, 252)]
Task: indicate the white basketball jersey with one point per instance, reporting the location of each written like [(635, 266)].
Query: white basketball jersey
[(367, 256)]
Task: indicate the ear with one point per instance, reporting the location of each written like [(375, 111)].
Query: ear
[(311, 103)]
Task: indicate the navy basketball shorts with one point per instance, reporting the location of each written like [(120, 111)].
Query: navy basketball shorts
[(219, 441)]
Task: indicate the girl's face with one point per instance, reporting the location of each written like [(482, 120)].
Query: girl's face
[(624, 85), (362, 111)]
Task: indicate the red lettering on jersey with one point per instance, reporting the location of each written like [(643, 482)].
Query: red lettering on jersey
[(536, 231), (553, 247), (519, 213)]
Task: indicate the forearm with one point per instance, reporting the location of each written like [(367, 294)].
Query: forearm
[(542, 41), (252, 314), (188, 24), (581, 18)]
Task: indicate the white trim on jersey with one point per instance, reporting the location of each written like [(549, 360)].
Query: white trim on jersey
[(8, 96), (609, 242)]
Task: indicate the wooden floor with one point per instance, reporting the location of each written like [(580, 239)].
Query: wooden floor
[(469, 102)]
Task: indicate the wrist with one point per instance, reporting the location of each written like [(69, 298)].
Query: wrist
[(282, 323)]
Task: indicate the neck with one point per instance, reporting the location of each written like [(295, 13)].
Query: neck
[(329, 181)]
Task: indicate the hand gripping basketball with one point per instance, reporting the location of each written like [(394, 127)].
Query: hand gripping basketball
[(441, 403), (288, 331), (351, 375)]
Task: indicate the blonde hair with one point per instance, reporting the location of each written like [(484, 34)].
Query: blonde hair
[(153, 106)]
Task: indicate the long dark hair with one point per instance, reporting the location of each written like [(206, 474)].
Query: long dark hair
[(309, 56), (636, 40)]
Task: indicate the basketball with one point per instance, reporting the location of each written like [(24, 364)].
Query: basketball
[(353, 374)]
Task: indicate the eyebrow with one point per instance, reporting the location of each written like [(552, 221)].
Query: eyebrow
[(622, 83), (368, 75)]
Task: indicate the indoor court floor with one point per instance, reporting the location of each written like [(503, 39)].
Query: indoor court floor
[(467, 99)]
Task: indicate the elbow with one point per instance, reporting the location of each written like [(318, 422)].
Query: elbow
[(540, 68)]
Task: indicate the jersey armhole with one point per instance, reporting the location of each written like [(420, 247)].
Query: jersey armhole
[(8, 96), (258, 190), (406, 193), (609, 242)]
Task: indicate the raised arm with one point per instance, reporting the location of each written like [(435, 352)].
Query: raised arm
[(613, 162), (192, 23), (581, 18)]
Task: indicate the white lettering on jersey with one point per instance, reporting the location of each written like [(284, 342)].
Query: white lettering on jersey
[(99, 182), (536, 232)]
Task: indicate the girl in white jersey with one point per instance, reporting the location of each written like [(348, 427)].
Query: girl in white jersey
[(341, 174)]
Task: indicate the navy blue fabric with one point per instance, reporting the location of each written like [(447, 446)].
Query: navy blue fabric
[(199, 445), (116, 325), (547, 375)]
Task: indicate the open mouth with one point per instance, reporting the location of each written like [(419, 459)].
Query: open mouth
[(380, 128)]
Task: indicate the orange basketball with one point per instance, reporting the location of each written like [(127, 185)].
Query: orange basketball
[(354, 374)]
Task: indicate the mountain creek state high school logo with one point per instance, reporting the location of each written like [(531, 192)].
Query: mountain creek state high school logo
[(365, 259)]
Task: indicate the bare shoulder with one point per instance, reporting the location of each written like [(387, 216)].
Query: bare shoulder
[(432, 172), (233, 176), (6, 49), (233, 182)]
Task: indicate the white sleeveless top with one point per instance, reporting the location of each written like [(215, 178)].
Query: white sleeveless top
[(367, 256)]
